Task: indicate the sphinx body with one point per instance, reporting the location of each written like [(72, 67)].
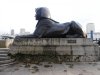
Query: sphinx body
[(48, 28)]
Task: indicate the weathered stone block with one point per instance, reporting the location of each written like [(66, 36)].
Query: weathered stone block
[(89, 50), (63, 50), (78, 50)]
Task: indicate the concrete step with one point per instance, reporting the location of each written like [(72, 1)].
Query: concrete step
[(3, 55), (6, 61), (3, 52), (4, 49), (4, 58)]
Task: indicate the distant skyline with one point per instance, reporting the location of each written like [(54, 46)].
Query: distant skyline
[(17, 14)]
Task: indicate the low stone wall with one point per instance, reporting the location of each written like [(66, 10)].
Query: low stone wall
[(5, 43), (74, 49)]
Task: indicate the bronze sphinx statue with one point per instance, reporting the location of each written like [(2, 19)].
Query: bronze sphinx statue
[(48, 28)]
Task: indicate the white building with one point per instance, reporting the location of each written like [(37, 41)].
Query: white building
[(90, 27), (12, 32), (22, 31)]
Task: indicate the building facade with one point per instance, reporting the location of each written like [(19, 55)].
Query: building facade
[(12, 32), (90, 27)]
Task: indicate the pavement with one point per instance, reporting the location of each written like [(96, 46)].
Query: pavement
[(46, 68)]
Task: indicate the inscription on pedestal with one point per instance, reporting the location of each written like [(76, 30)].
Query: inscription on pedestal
[(71, 41)]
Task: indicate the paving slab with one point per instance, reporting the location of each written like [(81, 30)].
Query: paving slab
[(53, 69)]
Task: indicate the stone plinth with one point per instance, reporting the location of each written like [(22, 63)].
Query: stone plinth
[(75, 49)]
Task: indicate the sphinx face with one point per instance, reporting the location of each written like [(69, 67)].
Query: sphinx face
[(42, 12)]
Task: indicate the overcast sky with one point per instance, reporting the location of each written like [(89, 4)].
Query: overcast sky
[(16, 14)]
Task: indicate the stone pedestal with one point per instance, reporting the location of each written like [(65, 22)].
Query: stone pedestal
[(74, 49)]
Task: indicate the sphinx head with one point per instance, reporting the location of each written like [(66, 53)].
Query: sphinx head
[(42, 12)]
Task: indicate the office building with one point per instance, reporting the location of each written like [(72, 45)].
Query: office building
[(12, 32), (90, 27), (22, 31)]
